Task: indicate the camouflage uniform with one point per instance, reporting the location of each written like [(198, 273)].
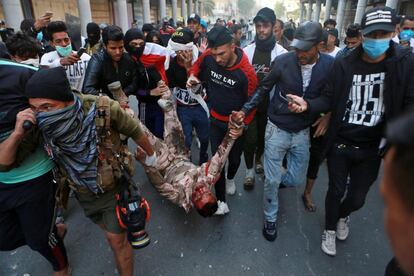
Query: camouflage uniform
[(175, 175)]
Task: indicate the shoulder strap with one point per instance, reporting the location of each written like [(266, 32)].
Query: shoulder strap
[(103, 118)]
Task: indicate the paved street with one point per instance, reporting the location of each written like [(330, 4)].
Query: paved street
[(187, 244)]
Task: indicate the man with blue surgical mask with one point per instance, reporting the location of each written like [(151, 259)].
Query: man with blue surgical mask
[(406, 35), (368, 87), (64, 56)]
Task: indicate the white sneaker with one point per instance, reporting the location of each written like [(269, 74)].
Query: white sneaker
[(328, 242), (230, 187), (222, 208), (342, 228)]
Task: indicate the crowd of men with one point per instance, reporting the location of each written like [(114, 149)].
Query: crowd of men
[(285, 102)]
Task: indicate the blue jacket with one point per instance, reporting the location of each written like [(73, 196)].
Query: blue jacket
[(286, 76)]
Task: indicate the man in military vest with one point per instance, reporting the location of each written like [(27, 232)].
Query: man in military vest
[(84, 140)]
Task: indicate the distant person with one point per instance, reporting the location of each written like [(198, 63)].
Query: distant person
[(93, 43), (352, 40)]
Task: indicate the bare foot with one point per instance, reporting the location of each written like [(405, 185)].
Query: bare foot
[(64, 272)]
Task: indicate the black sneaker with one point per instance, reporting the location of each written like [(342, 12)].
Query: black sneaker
[(270, 231)]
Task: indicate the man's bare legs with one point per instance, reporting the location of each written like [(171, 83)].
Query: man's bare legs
[(307, 195), (123, 253)]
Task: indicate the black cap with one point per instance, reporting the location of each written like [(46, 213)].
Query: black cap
[(147, 27), (218, 36), (332, 31), (265, 15), (50, 84), (183, 36), (382, 18), (194, 17), (307, 35)]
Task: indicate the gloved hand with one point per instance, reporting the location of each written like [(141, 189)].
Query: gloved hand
[(151, 161)]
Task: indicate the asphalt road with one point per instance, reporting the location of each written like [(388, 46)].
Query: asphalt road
[(187, 244)]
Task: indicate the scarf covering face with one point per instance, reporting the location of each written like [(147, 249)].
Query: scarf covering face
[(174, 47), (266, 44), (71, 139)]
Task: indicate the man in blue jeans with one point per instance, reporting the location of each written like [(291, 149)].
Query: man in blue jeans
[(302, 73), (190, 108)]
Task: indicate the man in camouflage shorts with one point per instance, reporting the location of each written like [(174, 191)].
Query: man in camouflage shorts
[(175, 176)]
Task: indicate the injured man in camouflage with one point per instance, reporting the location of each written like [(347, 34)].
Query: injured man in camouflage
[(175, 176)]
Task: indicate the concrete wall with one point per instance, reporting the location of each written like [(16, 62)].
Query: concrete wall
[(58, 7)]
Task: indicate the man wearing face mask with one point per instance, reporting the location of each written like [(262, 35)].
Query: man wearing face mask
[(406, 31), (93, 43), (151, 78), (191, 108), (64, 56), (260, 53), (24, 49), (82, 135), (367, 88)]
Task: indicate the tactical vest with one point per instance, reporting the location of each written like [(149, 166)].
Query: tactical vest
[(113, 156)]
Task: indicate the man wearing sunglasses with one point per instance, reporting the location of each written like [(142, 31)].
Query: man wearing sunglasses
[(368, 87), (303, 73)]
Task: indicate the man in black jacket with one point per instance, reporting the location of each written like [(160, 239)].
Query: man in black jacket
[(367, 88), (110, 65), (301, 74)]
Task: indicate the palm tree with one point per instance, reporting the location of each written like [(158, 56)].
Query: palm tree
[(209, 6)]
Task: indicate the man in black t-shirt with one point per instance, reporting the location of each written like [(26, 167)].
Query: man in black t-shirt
[(371, 85)]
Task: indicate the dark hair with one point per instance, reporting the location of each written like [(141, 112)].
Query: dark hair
[(353, 30), (27, 24), (56, 27), (400, 135), (113, 33), (152, 34), (235, 28), (407, 17), (208, 210), (329, 22), (282, 25), (23, 46)]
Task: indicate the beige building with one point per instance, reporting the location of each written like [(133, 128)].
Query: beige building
[(119, 12)]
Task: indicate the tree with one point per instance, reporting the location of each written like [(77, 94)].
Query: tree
[(246, 7), (209, 6), (280, 9)]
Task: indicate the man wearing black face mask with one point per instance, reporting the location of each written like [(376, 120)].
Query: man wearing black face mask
[(260, 54), (93, 43), (150, 85)]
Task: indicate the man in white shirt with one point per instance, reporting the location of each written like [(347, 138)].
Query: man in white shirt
[(330, 48), (64, 55)]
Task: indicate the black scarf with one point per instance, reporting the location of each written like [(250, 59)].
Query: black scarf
[(266, 44)]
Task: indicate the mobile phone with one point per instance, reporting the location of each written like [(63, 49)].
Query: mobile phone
[(81, 51), (291, 100)]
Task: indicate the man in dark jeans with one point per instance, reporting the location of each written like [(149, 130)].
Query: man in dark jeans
[(229, 79), (368, 87), (110, 65)]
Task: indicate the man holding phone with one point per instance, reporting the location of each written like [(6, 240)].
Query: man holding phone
[(75, 63), (302, 73)]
